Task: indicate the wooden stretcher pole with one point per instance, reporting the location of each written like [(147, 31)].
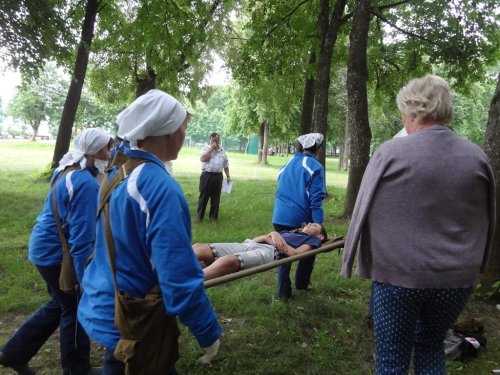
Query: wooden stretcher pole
[(264, 267)]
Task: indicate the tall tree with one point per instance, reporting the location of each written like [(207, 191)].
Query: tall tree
[(357, 123), (38, 99), (492, 149), (28, 105), (77, 81), (329, 25)]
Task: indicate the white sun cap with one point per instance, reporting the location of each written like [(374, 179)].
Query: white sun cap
[(310, 139), (88, 142), (153, 114)]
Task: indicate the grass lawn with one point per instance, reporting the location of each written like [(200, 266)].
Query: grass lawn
[(317, 332)]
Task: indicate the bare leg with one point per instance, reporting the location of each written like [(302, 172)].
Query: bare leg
[(222, 266), (204, 253)]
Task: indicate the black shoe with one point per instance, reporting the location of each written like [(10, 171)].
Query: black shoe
[(22, 369)]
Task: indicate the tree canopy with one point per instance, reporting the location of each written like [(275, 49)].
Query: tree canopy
[(33, 32), (164, 44)]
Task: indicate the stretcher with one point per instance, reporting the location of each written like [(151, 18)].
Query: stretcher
[(329, 245)]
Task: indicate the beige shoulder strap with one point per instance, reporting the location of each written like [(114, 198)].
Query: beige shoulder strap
[(125, 166), (62, 237)]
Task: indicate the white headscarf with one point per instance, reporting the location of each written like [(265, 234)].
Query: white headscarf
[(310, 139), (152, 114), (88, 142)]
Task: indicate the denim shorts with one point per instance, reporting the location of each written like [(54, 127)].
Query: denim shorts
[(249, 253)]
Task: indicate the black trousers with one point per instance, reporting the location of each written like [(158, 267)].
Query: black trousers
[(210, 188)]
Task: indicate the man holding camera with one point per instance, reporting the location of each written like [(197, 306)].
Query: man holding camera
[(213, 162)]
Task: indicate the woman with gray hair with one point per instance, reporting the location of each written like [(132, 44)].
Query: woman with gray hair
[(74, 195), (423, 220)]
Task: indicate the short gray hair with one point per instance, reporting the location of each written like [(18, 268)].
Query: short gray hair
[(426, 99)]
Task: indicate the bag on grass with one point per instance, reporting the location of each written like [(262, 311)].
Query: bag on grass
[(458, 346)]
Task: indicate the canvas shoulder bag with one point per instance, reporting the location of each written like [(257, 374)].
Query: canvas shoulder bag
[(148, 342)]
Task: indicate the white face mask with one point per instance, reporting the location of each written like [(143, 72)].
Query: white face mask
[(101, 165)]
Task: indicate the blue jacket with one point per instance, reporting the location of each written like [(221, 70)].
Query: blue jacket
[(76, 197), (152, 231), (300, 193)]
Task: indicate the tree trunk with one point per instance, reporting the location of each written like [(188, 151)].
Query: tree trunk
[(261, 142), (328, 36), (265, 143), (341, 154), (357, 101), (76, 85), (144, 84), (308, 100), (492, 149), (345, 164), (35, 125)]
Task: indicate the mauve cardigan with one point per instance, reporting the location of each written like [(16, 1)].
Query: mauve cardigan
[(425, 213)]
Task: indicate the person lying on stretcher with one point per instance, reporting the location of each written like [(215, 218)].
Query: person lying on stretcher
[(225, 258)]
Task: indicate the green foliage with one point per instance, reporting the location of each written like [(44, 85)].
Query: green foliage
[(172, 39), (28, 105), (337, 105), (42, 99), (209, 116), (269, 61), (485, 292), (39, 99), (34, 32), (471, 111), (413, 36), (93, 113)]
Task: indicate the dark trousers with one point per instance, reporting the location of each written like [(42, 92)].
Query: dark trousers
[(302, 274), (60, 312), (210, 188), (415, 320), (112, 366)]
